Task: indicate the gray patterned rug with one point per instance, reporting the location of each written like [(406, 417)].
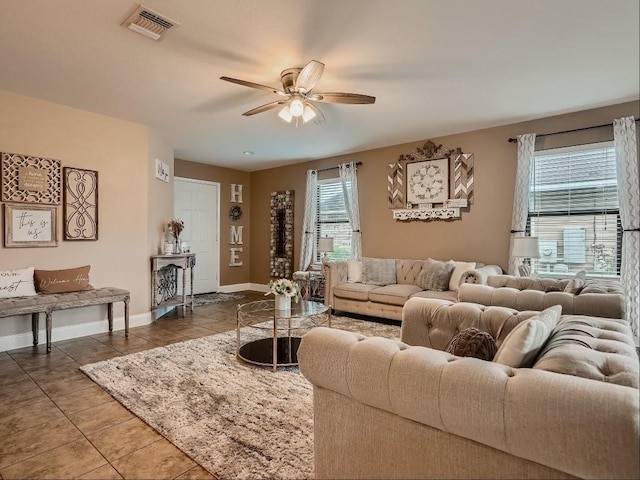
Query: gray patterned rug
[(234, 419), (209, 298)]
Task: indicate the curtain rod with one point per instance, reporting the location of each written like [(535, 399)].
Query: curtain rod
[(512, 140), (334, 168)]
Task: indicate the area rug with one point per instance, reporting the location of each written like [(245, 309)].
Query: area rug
[(236, 420), (209, 298)]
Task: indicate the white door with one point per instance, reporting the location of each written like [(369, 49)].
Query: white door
[(196, 203)]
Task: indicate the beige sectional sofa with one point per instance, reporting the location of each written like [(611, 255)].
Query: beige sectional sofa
[(385, 409), (386, 300), (598, 297)]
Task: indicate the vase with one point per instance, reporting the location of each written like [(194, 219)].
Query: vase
[(283, 302)]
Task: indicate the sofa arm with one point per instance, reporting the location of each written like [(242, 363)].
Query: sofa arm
[(526, 413), (335, 273), (433, 323)]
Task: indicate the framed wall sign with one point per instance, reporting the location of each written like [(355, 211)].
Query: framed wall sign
[(30, 179), (30, 226), (80, 204), (428, 182)]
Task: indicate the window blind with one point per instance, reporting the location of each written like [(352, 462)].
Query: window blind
[(573, 209), (332, 220)]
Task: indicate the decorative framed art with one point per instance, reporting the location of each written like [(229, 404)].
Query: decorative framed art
[(30, 226), (30, 179), (80, 204), (427, 182)]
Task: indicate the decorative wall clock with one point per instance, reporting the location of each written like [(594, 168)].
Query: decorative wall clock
[(235, 213)]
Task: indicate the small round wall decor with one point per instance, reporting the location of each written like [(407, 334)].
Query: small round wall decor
[(235, 213)]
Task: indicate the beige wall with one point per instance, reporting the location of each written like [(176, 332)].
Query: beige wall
[(483, 232), (160, 192), (122, 153), (225, 177)]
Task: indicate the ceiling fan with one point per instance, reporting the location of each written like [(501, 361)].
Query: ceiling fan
[(297, 86)]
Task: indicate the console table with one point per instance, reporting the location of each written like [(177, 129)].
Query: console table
[(164, 281)]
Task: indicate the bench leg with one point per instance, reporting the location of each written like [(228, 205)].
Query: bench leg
[(126, 317), (49, 326), (110, 316), (35, 327)]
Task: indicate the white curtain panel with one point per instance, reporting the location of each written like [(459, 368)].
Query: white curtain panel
[(309, 222), (526, 147), (348, 175), (624, 134)]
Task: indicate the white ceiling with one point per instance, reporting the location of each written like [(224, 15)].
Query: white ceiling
[(437, 67)]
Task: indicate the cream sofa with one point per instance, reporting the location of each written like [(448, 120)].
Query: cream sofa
[(385, 409), (386, 301), (598, 297)]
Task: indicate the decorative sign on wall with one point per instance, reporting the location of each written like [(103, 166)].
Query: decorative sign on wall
[(80, 204), (30, 179), (418, 186), (235, 231), (162, 171), (281, 248), (30, 226)]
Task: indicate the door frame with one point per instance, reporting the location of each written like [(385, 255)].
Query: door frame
[(216, 184)]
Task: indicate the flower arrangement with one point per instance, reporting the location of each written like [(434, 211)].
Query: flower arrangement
[(283, 286), (176, 226)]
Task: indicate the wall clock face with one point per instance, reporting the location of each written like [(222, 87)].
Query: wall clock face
[(235, 213)]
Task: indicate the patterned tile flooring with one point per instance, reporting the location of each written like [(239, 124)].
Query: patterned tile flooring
[(55, 423)]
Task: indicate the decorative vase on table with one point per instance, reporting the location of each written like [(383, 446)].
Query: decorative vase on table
[(283, 302)]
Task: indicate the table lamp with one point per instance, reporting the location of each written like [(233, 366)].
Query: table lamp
[(527, 248), (325, 244)]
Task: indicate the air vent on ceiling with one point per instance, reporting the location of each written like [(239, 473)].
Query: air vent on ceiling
[(149, 23)]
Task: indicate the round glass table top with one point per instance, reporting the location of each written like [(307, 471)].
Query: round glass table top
[(263, 314)]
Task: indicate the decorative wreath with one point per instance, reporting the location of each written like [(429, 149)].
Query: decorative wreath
[(235, 213), (427, 182)]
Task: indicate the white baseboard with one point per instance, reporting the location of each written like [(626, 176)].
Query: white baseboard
[(20, 340), (239, 287)]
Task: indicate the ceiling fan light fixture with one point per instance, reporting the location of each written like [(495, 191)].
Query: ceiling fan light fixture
[(296, 106), (308, 114), (285, 114)]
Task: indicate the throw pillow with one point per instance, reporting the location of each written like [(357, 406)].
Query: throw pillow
[(472, 342), (521, 346), (62, 281), (354, 271), (576, 283), (17, 283), (378, 271), (435, 275), (456, 276)]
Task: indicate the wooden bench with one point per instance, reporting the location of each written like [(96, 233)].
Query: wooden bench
[(48, 303)]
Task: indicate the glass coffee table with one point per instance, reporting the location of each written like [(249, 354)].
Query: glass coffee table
[(272, 337)]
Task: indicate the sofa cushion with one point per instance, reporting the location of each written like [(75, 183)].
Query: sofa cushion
[(472, 342), (354, 271), (456, 275), (435, 275), (446, 295), (378, 271), (522, 345), (591, 347), (353, 291), (393, 294), (17, 283)]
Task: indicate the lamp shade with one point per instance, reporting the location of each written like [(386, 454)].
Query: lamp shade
[(526, 247), (325, 244)]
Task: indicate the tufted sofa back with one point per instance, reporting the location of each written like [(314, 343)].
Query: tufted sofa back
[(408, 271)]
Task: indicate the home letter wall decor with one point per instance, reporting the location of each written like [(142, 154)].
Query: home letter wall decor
[(235, 232)]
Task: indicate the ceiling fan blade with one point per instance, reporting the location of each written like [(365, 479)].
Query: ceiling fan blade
[(309, 75), (264, 108), (244, 83), (336, 97)]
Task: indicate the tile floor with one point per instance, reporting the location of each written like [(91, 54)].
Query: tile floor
[(56, 423)]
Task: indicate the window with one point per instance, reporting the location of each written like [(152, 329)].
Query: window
[(573, 210), (332, 220)]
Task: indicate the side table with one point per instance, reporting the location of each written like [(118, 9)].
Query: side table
[(310, 285), (164, 281)]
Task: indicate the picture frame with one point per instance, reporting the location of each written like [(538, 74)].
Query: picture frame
[(427, 181), (80, 204), (30, 225), (29, 179)]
